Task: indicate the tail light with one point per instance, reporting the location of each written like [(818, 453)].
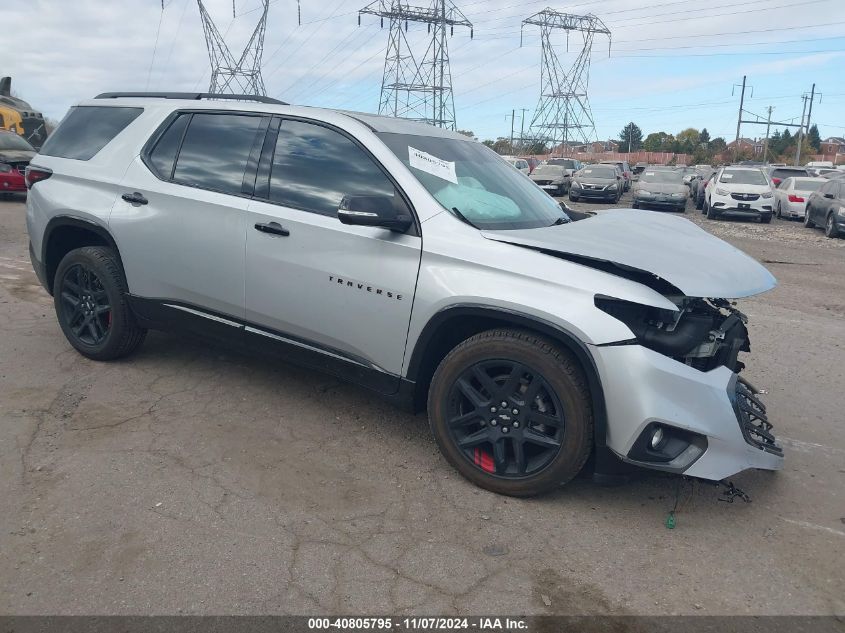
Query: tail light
[(36, 174), (794, 198), (776, 181)]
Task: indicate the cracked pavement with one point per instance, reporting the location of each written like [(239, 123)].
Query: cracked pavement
[(193, 479)]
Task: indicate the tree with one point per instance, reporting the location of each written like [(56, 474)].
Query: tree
[(630, 138), (656, 141), (468, 133), (717, 145), (503, 146), (813, 138), (704, 137), (784, 143), (488, 142), (687, 141)]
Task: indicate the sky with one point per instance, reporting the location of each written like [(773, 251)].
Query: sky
[(673, 64)]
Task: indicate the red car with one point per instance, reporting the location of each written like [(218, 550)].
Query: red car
[(15, 154)]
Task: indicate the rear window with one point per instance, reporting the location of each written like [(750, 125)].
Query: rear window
[(11, 141), (562, 162), (88, 129), (662, 176), (787, 173), (805, 184)]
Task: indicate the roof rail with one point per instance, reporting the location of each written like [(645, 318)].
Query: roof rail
[(193, 96)]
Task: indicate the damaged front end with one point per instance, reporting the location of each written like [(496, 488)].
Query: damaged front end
[(702, 333)]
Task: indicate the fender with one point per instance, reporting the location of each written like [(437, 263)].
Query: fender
[(76, 222), (417, 363)]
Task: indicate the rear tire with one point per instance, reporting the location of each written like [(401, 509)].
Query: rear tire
[(89, 295), (807, 221), (538, 439), (778, 213)]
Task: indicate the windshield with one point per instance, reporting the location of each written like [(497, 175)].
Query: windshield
[(662, 176), (13, 141), (562, 162), (597, 171), (472, 178), (805, 184), (744, 177), (549, 170)]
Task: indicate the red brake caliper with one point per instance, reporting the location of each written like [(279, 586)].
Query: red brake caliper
[(484, 460)]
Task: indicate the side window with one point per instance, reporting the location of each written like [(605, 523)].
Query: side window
[(163, 154), (88, 129), (216, 151), (314, 167), (785, 184)]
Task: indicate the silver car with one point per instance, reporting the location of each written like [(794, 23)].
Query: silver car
[(661, 189), (791, 196), (410, 260)]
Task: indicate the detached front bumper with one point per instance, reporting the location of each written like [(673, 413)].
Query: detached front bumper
[(598, 194), (705, 413)]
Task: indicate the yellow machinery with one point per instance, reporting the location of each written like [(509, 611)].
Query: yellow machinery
[(16, 115)]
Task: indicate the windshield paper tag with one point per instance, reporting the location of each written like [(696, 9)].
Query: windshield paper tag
[(432, 165)]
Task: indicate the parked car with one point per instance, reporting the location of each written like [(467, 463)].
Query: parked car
[(661, 189), (791, 196), (571, 165), (829, 173), (744, 192), (15, 154), (532, 163), (597, 182), (520, 164), (377, 249), (777, 174), (639, 168), (623, 166), (826, 207), (701, 187), (552, 179)]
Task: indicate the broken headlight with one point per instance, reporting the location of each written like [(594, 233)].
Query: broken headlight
[(701, 333)]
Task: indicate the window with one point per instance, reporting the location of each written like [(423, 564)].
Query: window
[(785, 184), (88, 129), (216, 151), (314, 167), (164, 153)]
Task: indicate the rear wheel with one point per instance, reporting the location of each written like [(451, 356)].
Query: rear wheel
[(89, 295), (511, 412), (778, 213), (830, 227), (765, 218)]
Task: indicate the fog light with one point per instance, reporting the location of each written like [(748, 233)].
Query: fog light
[(657, 438)]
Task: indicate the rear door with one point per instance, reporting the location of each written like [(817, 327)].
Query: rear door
[(342, 292), (182, 231)]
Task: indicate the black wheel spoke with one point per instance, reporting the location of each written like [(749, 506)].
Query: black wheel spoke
[(82, 326), (543, 418), (519, 454), (102, 309), (471, 393), (486, 381), (538, 439), (72, 286), (83, 301), (533, 390), (475, 439), (511, 386), (499, 458), (72, 300), (466, 418)]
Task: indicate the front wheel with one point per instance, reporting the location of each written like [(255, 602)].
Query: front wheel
[(807, 221), (711, 214), (89, 295), (766, 218), (511, 411), (572, 198)]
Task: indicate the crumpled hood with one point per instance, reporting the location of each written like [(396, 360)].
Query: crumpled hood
[(670, 247), (15, 155)]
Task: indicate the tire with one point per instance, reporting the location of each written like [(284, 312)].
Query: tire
[(682, 208), (557, 419), (91, 277), (807, 221), (572, 198), (699, 203), (711, 214), (830, 229), (635, 205), (778, 212), (765, 218)]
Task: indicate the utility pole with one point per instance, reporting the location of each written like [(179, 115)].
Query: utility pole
[(800, 132), (768, 127), (513, 114), (522, 128), (739, 118)]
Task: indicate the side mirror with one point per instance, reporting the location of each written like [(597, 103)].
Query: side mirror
[(388, 212), (828, 195)]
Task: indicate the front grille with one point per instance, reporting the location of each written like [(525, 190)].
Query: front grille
[(543, 182), (594, 187), (751, 415), (745, 196)]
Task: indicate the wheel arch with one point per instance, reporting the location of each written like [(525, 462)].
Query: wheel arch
[(65, 233), (455, 324)]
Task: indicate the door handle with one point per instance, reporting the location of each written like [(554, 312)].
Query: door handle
[(135, 198), (274, 228)]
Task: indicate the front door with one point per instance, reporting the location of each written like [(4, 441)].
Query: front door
[(344, 292)]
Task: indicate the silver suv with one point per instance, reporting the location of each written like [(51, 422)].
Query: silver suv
[(410, 260)]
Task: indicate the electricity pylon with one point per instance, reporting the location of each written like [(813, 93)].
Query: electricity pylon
[(563, 110), (418, 87), (241, 76)]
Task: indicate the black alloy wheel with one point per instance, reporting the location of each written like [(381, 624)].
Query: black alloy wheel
[(830, 229), (505, 418), (86, 311)]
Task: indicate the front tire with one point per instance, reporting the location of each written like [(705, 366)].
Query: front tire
[(89, 295), (830, 229), (766, 218), (711, 214), (572, 198), (510, 410), (807, 221)]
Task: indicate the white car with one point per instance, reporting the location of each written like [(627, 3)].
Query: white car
[(739, 192), (520, 164), (792, 194)]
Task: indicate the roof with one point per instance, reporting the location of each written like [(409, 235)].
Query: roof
[(835, 139), (375, 122)]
